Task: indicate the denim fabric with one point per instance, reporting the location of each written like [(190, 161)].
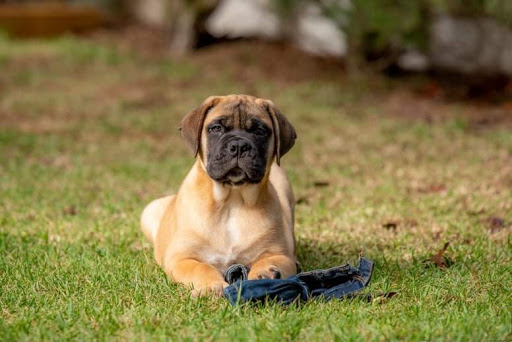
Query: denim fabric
[(235, 273), (337, 282)]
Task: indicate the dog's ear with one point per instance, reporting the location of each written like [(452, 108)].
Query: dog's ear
[(192, 124), (284, 133)]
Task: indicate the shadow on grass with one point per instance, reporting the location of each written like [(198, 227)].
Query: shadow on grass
[(314, 254)]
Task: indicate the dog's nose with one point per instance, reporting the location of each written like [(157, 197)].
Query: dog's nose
[(238, 147)]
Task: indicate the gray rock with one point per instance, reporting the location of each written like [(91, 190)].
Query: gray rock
[(244, 19), (471, 45), (414, 61), (307, 27), (317, 34)]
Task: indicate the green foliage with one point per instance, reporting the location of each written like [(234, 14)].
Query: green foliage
[(498, 9), (379, 24), (395, 22)]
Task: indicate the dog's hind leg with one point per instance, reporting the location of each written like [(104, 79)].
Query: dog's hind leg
[(152, 216)]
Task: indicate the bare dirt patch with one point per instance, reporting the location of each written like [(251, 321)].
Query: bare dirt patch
[(247, 59), (410, 105)]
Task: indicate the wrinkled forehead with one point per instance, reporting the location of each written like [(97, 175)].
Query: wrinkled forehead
[(239, 113)]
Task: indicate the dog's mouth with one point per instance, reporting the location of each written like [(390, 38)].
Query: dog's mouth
[(236, 172), (235, 177)]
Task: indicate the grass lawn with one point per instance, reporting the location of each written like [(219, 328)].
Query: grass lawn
[(88, 136)]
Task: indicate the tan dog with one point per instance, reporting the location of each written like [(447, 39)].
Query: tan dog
[(236, 204)]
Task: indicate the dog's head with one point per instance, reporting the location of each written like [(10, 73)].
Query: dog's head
[(237, 137)]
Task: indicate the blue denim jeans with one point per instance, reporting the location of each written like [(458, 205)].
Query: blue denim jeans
[(337, 282)]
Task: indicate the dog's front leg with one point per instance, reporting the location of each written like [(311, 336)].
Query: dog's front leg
[(204, 278), (273, 267)]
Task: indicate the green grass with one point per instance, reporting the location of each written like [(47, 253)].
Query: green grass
[(88, 136)]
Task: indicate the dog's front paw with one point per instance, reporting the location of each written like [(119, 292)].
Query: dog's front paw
[(270, 272), (215, 289)]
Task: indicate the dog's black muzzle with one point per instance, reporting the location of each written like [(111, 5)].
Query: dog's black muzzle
[(235, 159)]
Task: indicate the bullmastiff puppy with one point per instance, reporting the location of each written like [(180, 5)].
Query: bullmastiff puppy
[(236, 205)]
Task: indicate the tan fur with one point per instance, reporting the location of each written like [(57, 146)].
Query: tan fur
[(208, 226)]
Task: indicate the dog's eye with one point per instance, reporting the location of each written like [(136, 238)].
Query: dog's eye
[(259, 131), (215, 129)]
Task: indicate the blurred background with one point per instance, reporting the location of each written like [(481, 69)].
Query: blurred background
[(104, 83), (129, 69), (466, 44)]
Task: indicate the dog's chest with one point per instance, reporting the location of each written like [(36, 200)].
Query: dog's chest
[(235, 237)]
